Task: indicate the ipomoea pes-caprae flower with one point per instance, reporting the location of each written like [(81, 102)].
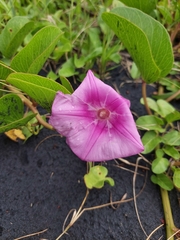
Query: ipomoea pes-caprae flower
[(96, 121)]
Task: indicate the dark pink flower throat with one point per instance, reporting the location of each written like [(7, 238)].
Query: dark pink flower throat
[(103, 113)]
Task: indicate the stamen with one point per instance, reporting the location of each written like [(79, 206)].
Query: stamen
[(103, 113)]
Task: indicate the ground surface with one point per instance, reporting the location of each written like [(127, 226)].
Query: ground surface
[(39, 188)]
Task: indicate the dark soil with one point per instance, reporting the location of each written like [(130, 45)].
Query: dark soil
[(39, 188)]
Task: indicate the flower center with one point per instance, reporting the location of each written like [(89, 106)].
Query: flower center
[(103, 113)]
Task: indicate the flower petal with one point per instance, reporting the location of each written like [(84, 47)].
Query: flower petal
[(95, 93), (91, 138)]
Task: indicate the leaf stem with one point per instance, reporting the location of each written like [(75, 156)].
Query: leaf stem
[(170, 227), (145, 98)]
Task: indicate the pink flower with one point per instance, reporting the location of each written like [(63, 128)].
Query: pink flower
[(96, 122)]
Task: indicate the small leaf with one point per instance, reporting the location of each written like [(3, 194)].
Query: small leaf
[(33, 56), (142, 35), (41, 89), (67, 69), (159, 153), (160, 165), (65, 82), (166, 13), (145, 6), (151, 103), (13, 35), (11, 113), (134, 72), (172, 138), (173, 116), (176, 177), (96, 177), (172, 152), (150, 140), (150, 122), (15, 134), (163, 181), (165, 108)]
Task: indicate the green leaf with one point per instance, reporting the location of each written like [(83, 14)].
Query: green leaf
[(165, 108), (151, 103), (172, 138), (166, 13), (172, 152), (173, 116), (145, 6), (159, 153), (134, 72), (150, 122), (65, 82), (13, 35), (11, 113), (160, 165), (163, 181), (33, 56), (176, 177), (67, 69), (142, 36), (41, 89), (150, 140), (5, 71), (97, 177)]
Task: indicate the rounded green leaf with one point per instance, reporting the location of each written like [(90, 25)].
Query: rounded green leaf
[(151, 103), (13, 35), (172, 152), (146, 40), (172, 138), (165, 108), (163, 181), (160, 165), (96, 177), (150, 140)]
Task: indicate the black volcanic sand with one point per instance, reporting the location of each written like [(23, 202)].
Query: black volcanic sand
[(39, 188)]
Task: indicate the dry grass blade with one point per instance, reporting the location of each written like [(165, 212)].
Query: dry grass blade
[(150, 235), (31, 235), (134, 195), (174, 235), (53, 135)]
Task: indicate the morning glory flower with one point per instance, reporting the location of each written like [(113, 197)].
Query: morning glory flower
[(96, 121)]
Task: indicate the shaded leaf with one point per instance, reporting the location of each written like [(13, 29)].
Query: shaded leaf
[(12, 113), (13, 34)]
